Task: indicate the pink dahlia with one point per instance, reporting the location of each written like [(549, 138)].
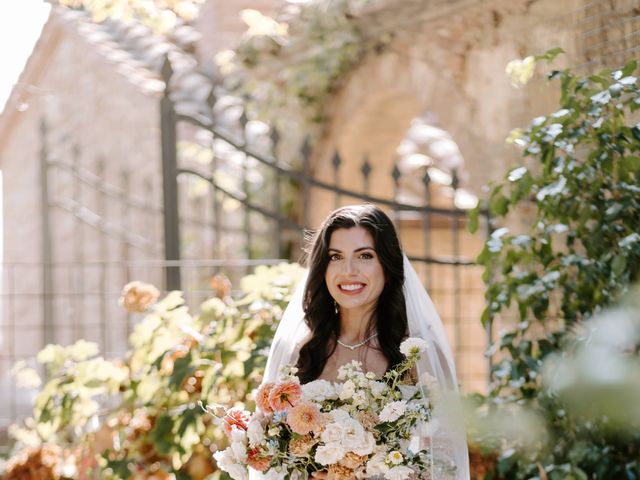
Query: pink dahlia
[(304, 418)]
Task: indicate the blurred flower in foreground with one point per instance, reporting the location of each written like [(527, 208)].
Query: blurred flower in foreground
[(600, 379), (138, 296)]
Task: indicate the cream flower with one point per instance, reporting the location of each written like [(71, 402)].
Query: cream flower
[(376, 465), (347, 391), (395, 457), (413, 345), (398, 473), (393, 411), (255, 432), (329, 453), (332, 433), (318, 391)]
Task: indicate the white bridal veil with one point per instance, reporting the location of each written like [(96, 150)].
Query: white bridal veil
[(446, 436)]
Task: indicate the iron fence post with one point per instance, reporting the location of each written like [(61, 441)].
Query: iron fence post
[(47, 248), (170, 182)]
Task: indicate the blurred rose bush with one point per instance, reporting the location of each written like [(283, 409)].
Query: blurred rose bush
[(139, 417)]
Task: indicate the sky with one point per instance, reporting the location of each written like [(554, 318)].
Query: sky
[(20, 25)]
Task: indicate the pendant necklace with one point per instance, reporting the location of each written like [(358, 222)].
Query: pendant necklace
[(357, 345)]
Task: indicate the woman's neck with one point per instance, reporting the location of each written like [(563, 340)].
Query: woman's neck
[(353, 325)]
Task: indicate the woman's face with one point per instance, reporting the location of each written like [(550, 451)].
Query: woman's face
[(354, 275)]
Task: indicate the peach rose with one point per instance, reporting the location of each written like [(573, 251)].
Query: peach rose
[(262, 397), (285, 395)]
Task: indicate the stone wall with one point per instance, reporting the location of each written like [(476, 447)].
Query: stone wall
[(448, 63)]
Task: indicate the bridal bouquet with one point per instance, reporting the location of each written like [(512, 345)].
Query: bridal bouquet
[(359, 427)]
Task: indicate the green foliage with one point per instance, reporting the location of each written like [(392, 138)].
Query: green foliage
[(580, 186), (176, 361), (291, 65)]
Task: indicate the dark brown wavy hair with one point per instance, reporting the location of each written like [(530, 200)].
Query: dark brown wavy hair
[(389, 320)]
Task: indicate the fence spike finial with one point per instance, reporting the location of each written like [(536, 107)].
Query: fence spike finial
[(455, 180), (167, 71), (395, 173)]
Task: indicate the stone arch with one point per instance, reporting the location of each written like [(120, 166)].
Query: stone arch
[(372, 114), (380, 104)]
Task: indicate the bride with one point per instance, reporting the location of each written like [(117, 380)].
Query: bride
[(360, 300)]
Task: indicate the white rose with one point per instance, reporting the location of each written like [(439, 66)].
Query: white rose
[(352, 434), (413, 345), (238, 435), (329, 454), (376, 465), (340, 415), (377, 388), (393, 411), (318, 391), (239, 451), (238, 472), (332, 433), (367, 445), (347, 391), (255, 433), (398, 473), (224, 458), (359, 398)]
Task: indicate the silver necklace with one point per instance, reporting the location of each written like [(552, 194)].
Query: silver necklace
[(357, 345)]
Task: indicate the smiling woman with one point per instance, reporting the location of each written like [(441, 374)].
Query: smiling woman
[(354, 304), (361, 299)]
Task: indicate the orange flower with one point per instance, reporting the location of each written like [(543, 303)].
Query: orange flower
[(300, 447), (304, 418), (285, 395), (262, 397), (137, 297), (235, 417), (257, 461)]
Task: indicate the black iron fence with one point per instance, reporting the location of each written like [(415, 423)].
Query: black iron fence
[(274, 202)]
